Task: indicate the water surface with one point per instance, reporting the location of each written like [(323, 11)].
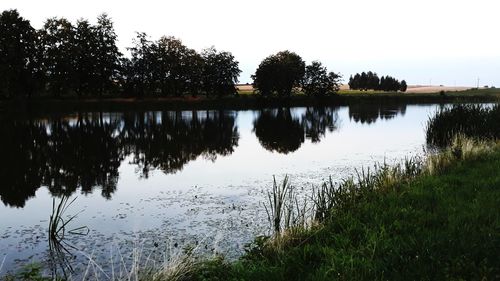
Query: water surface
[(159, 181)]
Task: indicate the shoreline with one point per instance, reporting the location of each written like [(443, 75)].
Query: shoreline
[(239, 102)]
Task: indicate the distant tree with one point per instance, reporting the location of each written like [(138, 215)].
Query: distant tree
[(17, 54), (354, 82), (220, 72), (403, 86), (279, 73), (363, 82), (318, 82), (107, 56), (57, 38), (371, 81)]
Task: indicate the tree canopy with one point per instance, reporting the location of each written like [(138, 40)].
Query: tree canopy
[(81, 59), (318, 81), (279, 73), (17, 51)]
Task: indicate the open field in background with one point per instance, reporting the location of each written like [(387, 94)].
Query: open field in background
[(412, 89)]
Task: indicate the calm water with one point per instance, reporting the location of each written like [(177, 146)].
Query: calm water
[(155, 182)]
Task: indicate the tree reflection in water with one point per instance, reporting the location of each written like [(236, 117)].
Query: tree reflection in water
[(85, 151), (369, 113), (278, 130)]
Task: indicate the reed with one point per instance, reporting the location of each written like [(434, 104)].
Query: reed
[(59, 248), (469, 120), (284, 208)]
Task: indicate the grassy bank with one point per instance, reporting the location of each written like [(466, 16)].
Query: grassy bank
[(239, 102), (442, 224)]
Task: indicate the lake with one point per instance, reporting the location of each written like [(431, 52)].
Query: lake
[(149, 185)]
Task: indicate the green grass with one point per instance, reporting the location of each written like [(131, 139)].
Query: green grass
[(442, 226)]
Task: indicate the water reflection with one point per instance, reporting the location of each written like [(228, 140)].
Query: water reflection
[(278, 130), (369, 113), (85, 151), (169, 140)]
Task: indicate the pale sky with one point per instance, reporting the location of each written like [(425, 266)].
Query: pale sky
[(450, 42)]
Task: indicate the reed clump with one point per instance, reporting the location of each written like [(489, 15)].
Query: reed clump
[(473, 121)]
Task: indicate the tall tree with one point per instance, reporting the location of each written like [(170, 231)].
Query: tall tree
[(85, 58), (176, 69), (138, 68), (58, 42), (220, 72), (279, 73), (107, 55), (17, 54)]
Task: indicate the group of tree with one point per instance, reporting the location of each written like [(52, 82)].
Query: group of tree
[(167, 67), (83, 59), (285, 71), (371, 81)]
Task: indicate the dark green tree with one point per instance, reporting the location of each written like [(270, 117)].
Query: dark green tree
[(371, 81), (279, 73), (57, 38), (403, 86), (318, 81), (17, 54), (354, 82), (138, 70), (176, 69), (220, 72), (107, 57), (85, 46)]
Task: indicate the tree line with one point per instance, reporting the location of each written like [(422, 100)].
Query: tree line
[(83, 60), (371, 81)]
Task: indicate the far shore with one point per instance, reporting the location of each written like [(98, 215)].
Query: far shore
[(245, 100)]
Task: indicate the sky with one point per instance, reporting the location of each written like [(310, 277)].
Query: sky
[(438, 42)]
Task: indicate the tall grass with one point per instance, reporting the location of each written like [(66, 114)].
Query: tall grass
[(469, 120), (286, 214), (284, 208)]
